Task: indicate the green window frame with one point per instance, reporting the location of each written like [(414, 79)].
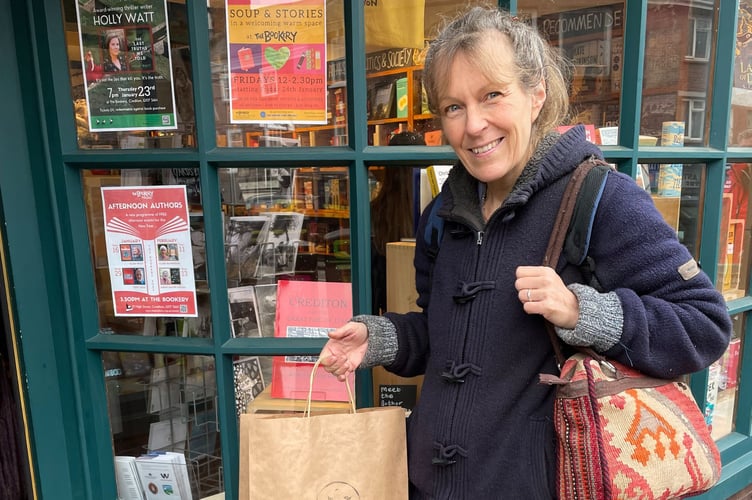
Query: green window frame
[(77, 332)]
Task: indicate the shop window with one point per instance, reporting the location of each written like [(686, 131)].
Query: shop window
[(397, 38), (740, 118), (593, 40), (699, 40), (733, 248), (270, 91), (149, 262), (164, 419), (677, 191), (723, 384), (286, 223), (131, 80), (677, 64)]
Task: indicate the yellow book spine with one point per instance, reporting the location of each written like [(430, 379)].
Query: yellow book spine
[(433, 181)]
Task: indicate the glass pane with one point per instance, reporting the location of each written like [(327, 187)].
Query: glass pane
[(394, 215), (723, 385), (132, 88), (593, 40), (397, 37), (740, 121), (272, 75), (164, 403), (677, 71), (148, 273), (734, 255), (286, 224), (256, 377), (677, 191)]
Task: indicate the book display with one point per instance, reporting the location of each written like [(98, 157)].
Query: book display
[(179, 456)]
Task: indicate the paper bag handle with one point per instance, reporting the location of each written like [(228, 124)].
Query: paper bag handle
[(310, 390)]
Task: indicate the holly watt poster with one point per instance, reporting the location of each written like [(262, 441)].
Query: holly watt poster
[(148, 238), (125, 54), (277, 61)]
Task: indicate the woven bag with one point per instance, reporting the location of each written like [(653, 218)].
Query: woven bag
[(624, 435), (621, 434)]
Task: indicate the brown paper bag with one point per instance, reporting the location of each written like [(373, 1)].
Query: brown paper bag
[(360, 455)]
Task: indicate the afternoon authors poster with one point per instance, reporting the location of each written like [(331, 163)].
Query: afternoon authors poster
[(277, 60), (148, 238), (125, 47)]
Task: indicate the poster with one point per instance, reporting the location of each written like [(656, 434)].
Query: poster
[(277, 61), (125, 47), (148, 240)]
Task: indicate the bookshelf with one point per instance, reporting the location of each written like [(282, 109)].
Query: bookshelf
[(396, 102)]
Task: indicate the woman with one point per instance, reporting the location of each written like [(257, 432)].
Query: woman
[(482, 427), (115, 61)]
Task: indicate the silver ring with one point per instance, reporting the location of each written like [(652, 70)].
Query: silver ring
[(528, 295)]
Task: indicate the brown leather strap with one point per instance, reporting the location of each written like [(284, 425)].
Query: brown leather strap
[(564, 216), (559, 234)]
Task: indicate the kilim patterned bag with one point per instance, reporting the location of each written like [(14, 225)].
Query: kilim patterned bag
[(621, 434)]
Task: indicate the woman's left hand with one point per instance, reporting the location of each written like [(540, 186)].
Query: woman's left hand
[(541, 291)]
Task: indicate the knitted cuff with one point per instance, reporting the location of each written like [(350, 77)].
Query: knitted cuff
[(601, 319), (382, 341)]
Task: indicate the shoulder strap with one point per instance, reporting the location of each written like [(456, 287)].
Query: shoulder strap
[(574, 221), (578, 204), (577, 242)]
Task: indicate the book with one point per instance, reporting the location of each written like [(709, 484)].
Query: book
[(590, 134), (401, 94), (266, 308), (309, 309), (244, 239), (731, 374), (198, 245), (243, 312), (127, 479), (437, 174), (249, 381), (280, 248), (164, 476), (383, 100)]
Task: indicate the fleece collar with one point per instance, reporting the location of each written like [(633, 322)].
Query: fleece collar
[(556, 156)]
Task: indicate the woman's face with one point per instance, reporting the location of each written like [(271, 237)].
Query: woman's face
[(114, 45), (489, 123)]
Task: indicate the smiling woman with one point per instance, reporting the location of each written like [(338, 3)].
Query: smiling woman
[(500, 91)]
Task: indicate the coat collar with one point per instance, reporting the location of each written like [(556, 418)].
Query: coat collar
[(557, 155)]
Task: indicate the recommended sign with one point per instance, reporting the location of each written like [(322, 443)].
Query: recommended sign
[(125, 54), (277, 61), (148, 239)]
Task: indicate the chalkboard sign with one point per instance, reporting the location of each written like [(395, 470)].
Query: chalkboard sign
[(404, 396)]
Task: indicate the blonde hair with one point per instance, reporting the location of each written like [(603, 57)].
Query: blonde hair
[(534, 60)]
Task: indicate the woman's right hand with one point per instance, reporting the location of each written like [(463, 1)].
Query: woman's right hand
[(344, 351)]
